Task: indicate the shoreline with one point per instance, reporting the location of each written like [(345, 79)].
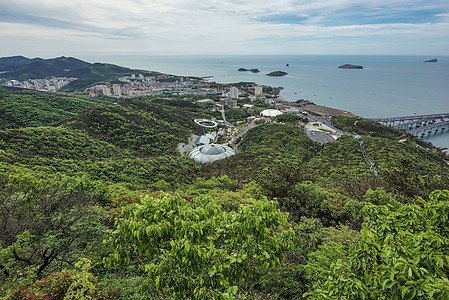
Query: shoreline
[(327, 111)]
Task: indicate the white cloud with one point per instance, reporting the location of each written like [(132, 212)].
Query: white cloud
[(230, 26)]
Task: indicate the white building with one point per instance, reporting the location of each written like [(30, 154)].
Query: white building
[(106, 90), (270, 113), (234, 92), (117, 90), (258, 90)]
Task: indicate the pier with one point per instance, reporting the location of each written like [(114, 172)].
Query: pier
[(419, 125)]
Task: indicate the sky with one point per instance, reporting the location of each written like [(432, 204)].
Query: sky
[(49, 28)]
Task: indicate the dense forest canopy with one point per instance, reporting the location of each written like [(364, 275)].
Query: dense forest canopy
[(96, 202)]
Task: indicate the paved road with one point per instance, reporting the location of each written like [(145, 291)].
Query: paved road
[(243, 130), (322, 137), (186, 148)]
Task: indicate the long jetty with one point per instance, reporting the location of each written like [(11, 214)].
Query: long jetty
[(419, 125)]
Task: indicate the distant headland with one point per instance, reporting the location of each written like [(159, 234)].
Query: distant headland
[(434, 60)]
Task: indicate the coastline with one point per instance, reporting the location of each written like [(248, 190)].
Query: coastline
[(328, 111)]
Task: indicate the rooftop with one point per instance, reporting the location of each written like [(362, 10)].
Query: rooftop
[(212, 152)]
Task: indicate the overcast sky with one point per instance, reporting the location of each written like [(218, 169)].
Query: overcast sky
[(49, 28)]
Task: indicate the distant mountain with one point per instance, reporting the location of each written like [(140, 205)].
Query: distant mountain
[(100, 71), (19, 60), (68, 63), (36, 69), (21, 68)]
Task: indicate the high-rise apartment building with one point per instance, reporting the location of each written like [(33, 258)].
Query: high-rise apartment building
[(106, 90), (234, 92), (117, 89)]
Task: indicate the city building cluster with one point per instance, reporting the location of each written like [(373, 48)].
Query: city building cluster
[(161, 84), (47, 85)]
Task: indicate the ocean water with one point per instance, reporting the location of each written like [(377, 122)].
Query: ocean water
[(387, 86)]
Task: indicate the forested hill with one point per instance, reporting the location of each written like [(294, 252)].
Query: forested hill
[(21, 68), (23, 108), (96, 202)]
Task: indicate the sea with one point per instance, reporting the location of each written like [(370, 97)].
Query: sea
[(387, 86)]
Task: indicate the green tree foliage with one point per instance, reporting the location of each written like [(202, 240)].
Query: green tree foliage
[(56, 181), (289, 118), (405, 168), (279, 179), (147, 128), (193, 249), (339, 159), (79, 85), (133, 144), (45, 224), (56, 143), (23, 108), (293, 187), (227, 193), (308, 262), (276, 142), (402, 254), (365, 127), (69, 284), (261, 147)]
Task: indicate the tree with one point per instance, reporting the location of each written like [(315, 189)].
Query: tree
[(193, 249), (402, 253), (43, 224), (70, 284)]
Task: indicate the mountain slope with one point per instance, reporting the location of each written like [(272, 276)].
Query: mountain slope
[(24, 108), (9, 62), (146, 128), (21, 68)]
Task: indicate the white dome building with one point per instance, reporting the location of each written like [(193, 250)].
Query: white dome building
[(270, 112), (211, 152)]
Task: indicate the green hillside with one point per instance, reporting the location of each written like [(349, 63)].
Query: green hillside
[(96, 200), (263, 146), (147, 128), (18, 60), (22, 68), (107, 143), (56, 143), (23, 108), (341, 162), (279, 142)]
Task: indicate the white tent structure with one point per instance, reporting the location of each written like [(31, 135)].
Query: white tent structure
[(270, 112)]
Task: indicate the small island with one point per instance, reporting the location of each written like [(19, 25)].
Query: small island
[(250, 70), (277, 73), (349, 66), (434, 60)]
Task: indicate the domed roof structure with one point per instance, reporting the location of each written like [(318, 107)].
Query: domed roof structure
[(270, 112), (211, 152)]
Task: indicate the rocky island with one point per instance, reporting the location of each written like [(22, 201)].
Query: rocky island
[(349, 66), (432, 60), (250, 70), (277, 73)]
